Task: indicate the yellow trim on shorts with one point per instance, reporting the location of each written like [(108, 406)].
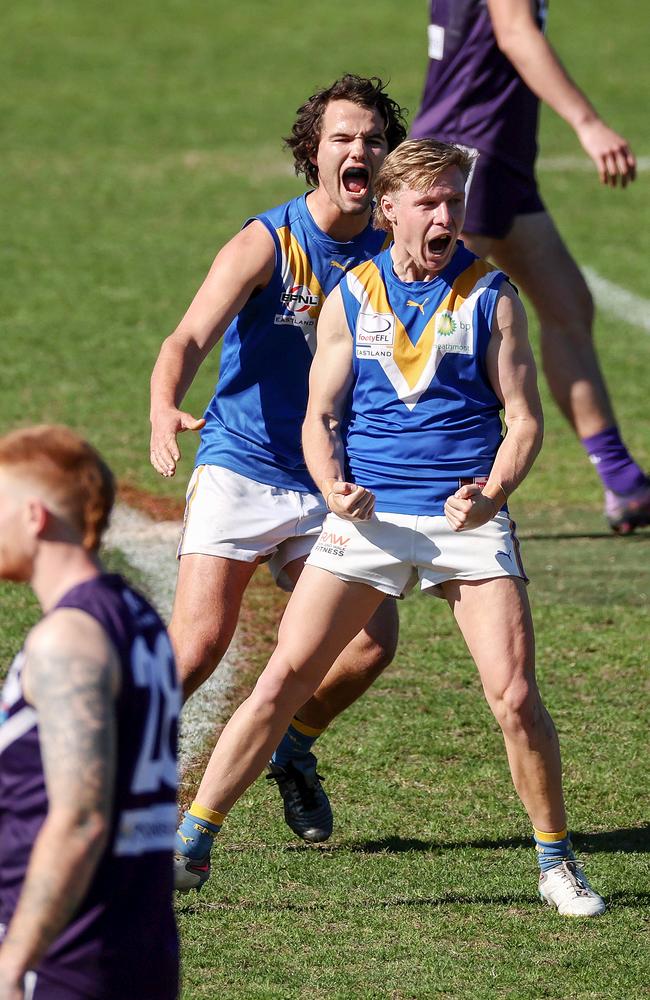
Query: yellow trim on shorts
[(188, 503)]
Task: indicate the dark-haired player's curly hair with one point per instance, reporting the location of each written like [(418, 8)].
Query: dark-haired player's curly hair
[(366, 92)]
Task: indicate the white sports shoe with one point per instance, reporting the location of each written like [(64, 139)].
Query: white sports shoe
[(565, 887)]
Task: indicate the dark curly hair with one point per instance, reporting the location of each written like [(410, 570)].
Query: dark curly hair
[(364, 91)]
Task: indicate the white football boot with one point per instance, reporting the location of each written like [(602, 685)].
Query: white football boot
[(565, 887)]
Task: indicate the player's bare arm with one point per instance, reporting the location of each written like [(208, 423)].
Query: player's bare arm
[(522, 42), (243, 266), (330, 380), (513, 375), (71, 678)]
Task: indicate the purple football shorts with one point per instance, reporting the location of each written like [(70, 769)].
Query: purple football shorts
[(496, 195)]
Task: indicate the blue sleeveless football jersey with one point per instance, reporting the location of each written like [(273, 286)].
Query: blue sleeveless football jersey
[(254, 420), (423, 415), (121, 941)]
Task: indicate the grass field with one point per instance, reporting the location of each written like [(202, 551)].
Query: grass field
[(137, 139)]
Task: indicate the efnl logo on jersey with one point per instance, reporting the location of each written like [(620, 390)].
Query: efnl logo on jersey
[(375, 335), (453, 335), (297, 301)]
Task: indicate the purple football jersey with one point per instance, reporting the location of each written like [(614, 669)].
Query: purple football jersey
[(473, 95), (122, 941)]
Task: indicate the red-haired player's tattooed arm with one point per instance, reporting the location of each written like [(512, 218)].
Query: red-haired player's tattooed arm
[(71, 676)]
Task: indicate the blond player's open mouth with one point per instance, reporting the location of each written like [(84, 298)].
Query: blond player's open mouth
[(439, 246)]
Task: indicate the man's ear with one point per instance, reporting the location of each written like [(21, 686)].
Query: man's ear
[(388, 208), (37, 517)]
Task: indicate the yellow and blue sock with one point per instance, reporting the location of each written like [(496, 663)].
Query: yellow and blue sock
[(195, 836), (296, 742), (552, 848)]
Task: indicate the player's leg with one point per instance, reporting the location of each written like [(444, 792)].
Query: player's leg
[(209, 592), (494, 618), (293, 766), (534, 255), (358, 666), (231, 524), (323, 615), (536, 258)]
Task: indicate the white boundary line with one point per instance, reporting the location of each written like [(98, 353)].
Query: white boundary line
[(150, 548), (616, 301), (579, 164)]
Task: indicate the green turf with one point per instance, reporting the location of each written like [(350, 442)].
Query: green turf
[(137, 138), (428, 887)]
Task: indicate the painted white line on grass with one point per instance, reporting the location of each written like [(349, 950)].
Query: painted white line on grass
[(616, 301), (150, 547), (579, 164)]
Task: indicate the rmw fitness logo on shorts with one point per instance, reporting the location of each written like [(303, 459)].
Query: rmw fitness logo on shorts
[(297, 301), (331, 543)]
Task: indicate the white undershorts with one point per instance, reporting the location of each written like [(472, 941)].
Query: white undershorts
[(391, 552), (237, 518)]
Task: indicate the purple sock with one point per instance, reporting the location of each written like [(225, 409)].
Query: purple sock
[(613, 462)]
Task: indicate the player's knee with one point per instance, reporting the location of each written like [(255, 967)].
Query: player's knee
[(197, 656), (282, 686), (517, 708), (377, 644), (378, 655)]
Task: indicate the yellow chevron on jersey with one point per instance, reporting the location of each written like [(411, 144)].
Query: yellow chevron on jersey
[(423, 412), (381, 333), (297, 270), (253, 421)]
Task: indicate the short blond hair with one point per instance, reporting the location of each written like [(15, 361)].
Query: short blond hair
[(416, 164), (69, 470)]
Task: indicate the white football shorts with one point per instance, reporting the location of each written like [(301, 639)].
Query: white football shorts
[(235, 517), (391, 552)]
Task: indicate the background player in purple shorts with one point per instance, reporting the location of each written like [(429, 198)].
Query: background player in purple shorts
[(87, 747), (489, 66)]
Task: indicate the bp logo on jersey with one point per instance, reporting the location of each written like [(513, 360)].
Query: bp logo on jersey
[(453, 334), (446, 324), (299, 299)]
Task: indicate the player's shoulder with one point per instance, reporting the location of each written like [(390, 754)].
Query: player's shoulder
[(367, 268), (473, 272), (64, 630), (68, 645), (287, 214), (466, 258)]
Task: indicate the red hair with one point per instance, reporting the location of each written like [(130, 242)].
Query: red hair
[(74, 475)]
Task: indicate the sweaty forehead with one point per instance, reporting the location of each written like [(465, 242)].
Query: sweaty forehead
[(350, 118)]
